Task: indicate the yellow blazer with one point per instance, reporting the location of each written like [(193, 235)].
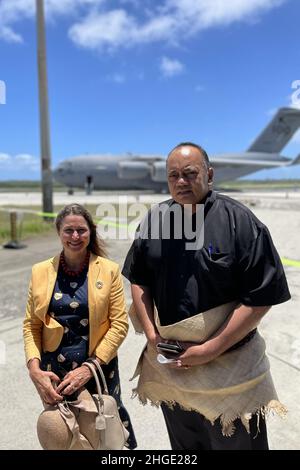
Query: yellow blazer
[(107, 311)]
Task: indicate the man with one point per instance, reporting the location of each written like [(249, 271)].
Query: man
[(209, 297)]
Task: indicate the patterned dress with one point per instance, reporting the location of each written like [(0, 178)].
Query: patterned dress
[(69, 307)]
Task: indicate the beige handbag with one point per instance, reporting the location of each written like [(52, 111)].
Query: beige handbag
[(92, 422)]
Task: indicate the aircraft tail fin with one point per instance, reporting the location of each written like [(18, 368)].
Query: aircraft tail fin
[(278, 132), (296, 160)]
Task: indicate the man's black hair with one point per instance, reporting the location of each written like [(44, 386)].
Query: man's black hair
[(198, 147)]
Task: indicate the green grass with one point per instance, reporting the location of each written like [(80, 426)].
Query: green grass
[(30, 225), (24, 185)]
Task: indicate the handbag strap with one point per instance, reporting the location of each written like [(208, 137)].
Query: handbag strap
[(92, 369), (100, 423), (98, 367)]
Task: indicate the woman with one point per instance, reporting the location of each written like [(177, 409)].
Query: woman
[(75, 310)]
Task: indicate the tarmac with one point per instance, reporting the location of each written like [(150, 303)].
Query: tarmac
[(277, 199), (280, 328)]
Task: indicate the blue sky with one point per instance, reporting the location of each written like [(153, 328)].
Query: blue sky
[(141, 76)]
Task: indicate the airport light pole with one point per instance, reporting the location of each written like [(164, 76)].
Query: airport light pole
[(47, 189)]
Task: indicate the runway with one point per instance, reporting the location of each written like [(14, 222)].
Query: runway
[(23, 199), (280, 328)]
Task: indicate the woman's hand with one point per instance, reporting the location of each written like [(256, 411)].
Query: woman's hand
[(74, 380), (43, 382)]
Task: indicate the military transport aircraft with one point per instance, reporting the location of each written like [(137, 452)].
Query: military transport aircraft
[(139, 171)]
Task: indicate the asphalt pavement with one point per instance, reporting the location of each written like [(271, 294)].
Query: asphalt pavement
[(280, 327)]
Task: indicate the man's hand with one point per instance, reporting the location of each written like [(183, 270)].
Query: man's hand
[(194, 355), (241, 321), (144, 308), (154, 339)]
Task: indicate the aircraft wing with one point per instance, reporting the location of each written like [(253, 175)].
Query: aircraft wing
[(232, 162), (278, 132), (145, 158)]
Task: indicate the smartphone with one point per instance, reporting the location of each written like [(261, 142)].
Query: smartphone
[(169, 348)]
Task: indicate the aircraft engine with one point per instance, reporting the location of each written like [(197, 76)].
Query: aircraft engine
[(158, 172), (133, 170)]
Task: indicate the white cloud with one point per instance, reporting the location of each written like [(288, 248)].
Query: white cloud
[(116, 78), (13, 11), (9, 35), (168, 20), (170, 67), (2, 92), (22, 162), (109, 30), (294, 98), (63, 7), (207, 13), (101, 27), (134, 3), (27, 161), (4, 157), (294, 102)]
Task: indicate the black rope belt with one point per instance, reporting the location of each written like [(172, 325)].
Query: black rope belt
[(243, 341)]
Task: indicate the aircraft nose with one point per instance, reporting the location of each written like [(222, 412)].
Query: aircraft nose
[(58, 173)]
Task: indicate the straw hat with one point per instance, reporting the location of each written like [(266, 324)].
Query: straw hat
[(55, 434)]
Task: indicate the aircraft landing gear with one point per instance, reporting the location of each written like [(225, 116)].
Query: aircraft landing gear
[(89, 185)]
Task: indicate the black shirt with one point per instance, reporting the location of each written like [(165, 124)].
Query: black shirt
[(238, 261)]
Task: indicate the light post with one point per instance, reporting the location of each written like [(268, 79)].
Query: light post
[(47, 189)]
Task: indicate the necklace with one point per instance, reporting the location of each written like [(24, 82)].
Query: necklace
[(70, 272)]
